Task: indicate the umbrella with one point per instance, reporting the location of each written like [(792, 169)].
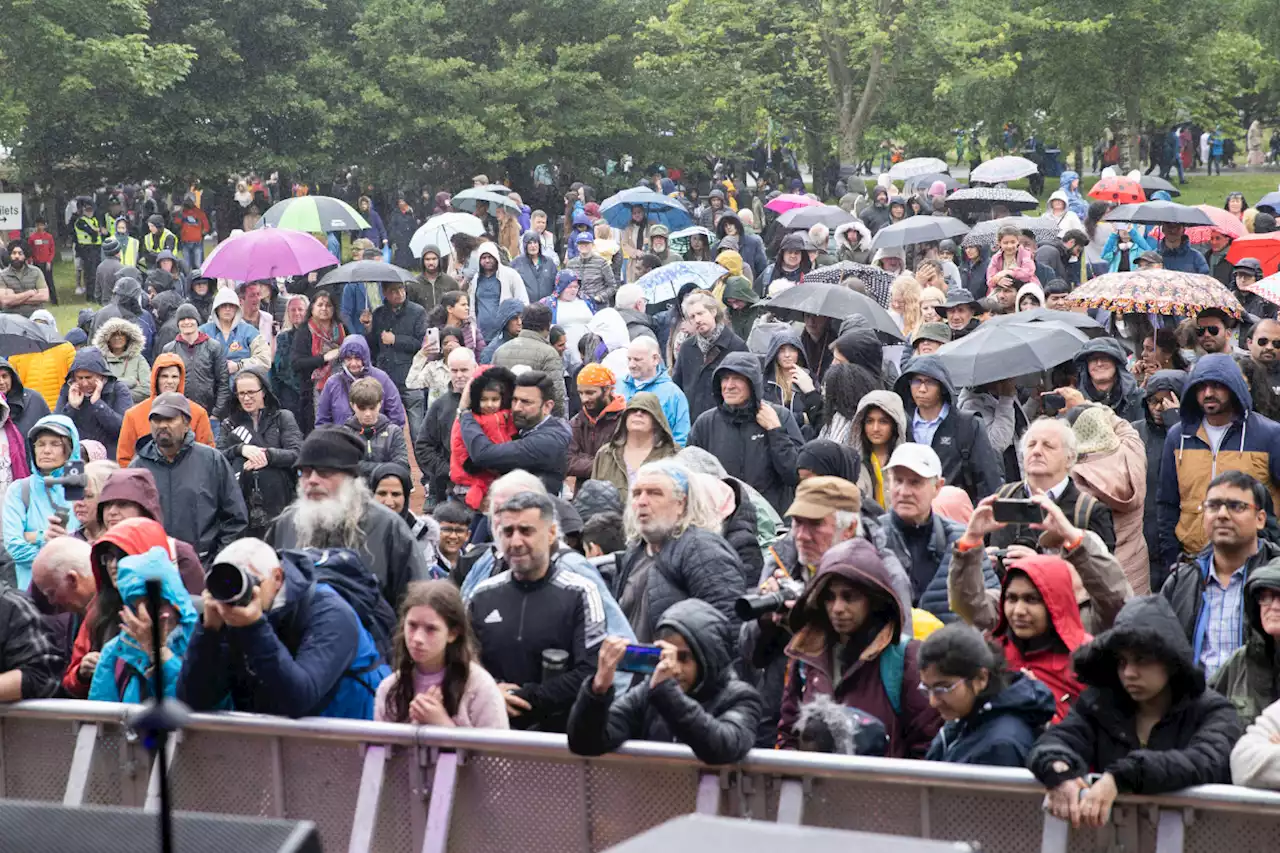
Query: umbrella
[(1080, 322), (786, 201), (1264, 247), (1268, 288), (918, 229), (1271, 201), (981, 198), (437, 230), (266, 253), (926, 181), (1159, 213), (1118, 189), (1223, 223), (804, 218), (1004, 350), (916, 166), (984, 233), (1153, 184), (616, 209), (19, 335), (500, 189), (876, 281), (466, 200), (1003, 169), (686, 233), (665, 282), (315, 214), (1156, 291), (836, 302), (366, 271)]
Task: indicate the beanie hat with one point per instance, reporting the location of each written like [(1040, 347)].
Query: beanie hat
[(187, 311), (332, 447), (111, 246), (76, 337), (596, 376)]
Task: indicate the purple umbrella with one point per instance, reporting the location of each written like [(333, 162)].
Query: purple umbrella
[(267, 253)]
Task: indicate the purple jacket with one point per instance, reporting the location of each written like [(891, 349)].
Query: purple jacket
[(334, 407)]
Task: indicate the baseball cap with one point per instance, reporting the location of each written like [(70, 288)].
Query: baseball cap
[(818, 497), (915, 457), (169, 405), (585, 237)]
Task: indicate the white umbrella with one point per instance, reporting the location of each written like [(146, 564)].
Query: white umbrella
[(916, 166), (466, 200), (1003, 169), (437, 230)]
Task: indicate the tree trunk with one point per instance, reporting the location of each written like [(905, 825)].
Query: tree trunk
[(853, 120), (1132, 150)]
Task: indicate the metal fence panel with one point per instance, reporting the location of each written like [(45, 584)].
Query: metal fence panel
[(229, 775), (624, 800), (518, 804), (37, 758)]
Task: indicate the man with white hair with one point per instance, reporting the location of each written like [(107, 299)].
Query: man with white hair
[(1048, 452), (295, 648), (646, 372), (676, 550), (335, 509), (432, 445), (63, 574), (630, 302)]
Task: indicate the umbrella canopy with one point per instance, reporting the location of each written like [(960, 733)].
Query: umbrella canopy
[(366, 271), (1264, 247), (926, 180), (836, 302), (1002, 169), (466, 200), (876, 281), (1223, 223), (918, 229), (984, 233), (686, 233), (787, 201), (1154, 184), (437, 230), (1156, 291), (1159, 213), (916, 166), (1080, 322), (19, 335), (1270, 201), (266, 253), (664, 283), (981, 198), (1268, 288), (1002, 351), (807, 217), (500, 189), (616, 209), (1121, 190), (315, 214)]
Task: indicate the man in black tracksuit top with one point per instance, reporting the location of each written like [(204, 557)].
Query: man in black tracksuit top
[(531, 609)]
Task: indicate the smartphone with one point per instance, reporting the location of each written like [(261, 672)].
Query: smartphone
[(640, 659), (433, 339), (1053, 403), (63, 515), (1018, 511)]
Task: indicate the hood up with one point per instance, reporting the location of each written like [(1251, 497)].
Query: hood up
[(355, 345), (1220, 368), (1052, 577), (134, 341), (135, 485), (709, 636), (648, 403), (746, 365), (886, 401), (925, 365), (1147, 623)]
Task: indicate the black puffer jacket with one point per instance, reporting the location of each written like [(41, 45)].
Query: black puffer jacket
[(740, 531), (267, 491), (717, 719), (1191, 745), (695, 564)]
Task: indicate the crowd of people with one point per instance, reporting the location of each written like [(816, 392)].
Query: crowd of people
[(701, 521)]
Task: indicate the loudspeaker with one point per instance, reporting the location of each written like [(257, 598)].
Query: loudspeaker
[(27, 827), (700, 833)]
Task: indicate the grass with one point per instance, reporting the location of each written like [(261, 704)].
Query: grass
[(1199, 189)]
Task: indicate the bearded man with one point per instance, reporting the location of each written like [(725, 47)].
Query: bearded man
[(335, 509)]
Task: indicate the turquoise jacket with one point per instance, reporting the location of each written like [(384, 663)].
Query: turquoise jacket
[(28, 503)]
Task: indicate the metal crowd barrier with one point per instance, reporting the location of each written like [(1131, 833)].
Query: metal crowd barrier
[(399, 788)]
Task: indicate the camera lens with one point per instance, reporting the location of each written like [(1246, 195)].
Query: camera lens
[(229, 584)]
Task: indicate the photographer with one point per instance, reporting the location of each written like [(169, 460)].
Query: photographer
[(692, 697), (295, 648)]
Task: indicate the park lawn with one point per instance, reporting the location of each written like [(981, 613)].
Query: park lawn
[(1199, 189)]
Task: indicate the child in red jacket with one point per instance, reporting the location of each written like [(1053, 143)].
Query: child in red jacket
[(491, 391)]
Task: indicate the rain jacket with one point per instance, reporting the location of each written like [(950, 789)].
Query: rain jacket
[(123, 671), (99, 421), (871, 479), (694, 372), (934, 596), (1125, 397), (376, 233), (308, 657), (1000, 731), (267, 491), (1251, 444), (674, 404), (587, 435), (1183, 259), (766, 460), (1138, 244), (383, 442), (608, 464), (750, 247), (334, 405), (1075, 202), (139, 486), (243, 342), (880, 669), (409, 325), (26, 406), (508, 310), (1250, 677), (28, 503), (716, 719), (531, 349), (1190, 745), (805, 407), (205, 379), (1153, 434), (540, 278), (511, 285), (737, 287), (129, 367), (136, 425), (1118, 479)]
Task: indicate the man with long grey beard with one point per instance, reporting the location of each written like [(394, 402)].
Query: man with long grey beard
[(335, 509)]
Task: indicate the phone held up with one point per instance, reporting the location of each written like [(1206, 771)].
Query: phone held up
[(640, 659), (1017, 511)]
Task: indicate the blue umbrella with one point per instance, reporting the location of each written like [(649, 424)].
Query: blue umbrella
[(616, 209), (1270, 200), (665, 282)]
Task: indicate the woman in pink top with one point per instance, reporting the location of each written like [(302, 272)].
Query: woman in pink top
[(1012, 261), (438, 680)]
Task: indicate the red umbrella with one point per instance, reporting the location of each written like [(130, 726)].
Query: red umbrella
[(1264, 247), (1223, 223), (1118, 189)]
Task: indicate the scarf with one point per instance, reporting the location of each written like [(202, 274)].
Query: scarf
[(705, 344), (322, 342), (17, 451)]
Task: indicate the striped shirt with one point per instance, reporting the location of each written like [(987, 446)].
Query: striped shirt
[(1223, 627)]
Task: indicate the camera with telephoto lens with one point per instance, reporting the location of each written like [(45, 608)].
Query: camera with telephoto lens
[(230, 585), (755, 606)]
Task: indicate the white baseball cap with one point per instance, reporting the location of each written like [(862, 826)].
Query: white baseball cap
[(917, 457)]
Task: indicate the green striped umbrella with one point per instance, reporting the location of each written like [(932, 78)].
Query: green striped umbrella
[(316, 214)]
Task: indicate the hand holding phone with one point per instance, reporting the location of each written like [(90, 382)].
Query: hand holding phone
[(1017, 511)]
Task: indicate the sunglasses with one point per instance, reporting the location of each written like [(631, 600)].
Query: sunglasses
[(1274, 343), (1201, 331)]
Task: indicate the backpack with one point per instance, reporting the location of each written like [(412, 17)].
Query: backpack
[(342, 570)]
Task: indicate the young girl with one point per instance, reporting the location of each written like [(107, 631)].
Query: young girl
[(491, 393), (438, 680), (1012, 263)]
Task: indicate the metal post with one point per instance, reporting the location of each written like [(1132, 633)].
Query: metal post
[(152, 803), (708, 794), (366, 816), (791, 802), (440, 811), (925, 820), (1056, 834), (1170, 832), (81, 764), (278, 808)]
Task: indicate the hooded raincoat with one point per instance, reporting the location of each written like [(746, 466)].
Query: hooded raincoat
[(1000, 730), (1125, 397), (99, 420), (1251, 678), (484, 303), (28, 502), (135, 427), (1118, 478), (129, 366), (610, 466), (539, 276), (806, 407), (872, 480), (334, 406)]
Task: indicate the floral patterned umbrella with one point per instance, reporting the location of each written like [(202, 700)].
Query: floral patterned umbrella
[(1156, 291)]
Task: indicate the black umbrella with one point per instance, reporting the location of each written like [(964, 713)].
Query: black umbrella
[(1004, 350), (1159, 213), (875, 281), (926, 181), (984, 233), (18, 335), (366, 271), (1081, 322), (918, 229), (973, 199), (819, 214), (1151, 184), (832, 300)]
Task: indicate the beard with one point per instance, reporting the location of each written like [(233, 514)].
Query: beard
[(332, 522)]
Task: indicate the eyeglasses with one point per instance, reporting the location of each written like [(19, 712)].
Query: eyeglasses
[(1215, 506), (1201, 331), (243, 395), (1274, 343), (940, 690), (453, 530), (921, 381)]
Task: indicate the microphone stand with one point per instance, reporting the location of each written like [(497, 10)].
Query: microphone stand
[(157, 721)]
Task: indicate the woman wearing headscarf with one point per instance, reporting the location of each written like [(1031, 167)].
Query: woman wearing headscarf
[(822, 457)]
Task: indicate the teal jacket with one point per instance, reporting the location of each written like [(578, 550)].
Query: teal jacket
[(28, 503)]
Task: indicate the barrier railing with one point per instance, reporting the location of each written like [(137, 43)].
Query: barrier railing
[(399, 788)]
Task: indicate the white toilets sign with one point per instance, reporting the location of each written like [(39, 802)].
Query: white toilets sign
[(10, 211)]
